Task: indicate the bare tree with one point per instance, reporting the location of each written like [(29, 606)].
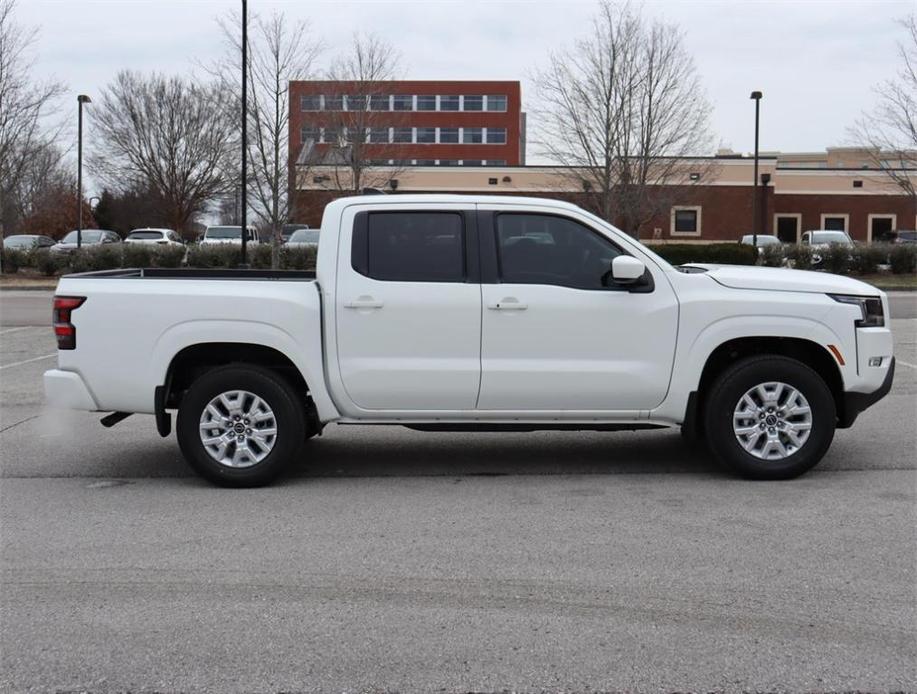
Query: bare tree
[(890, 129), (281, 52), (620, 111), (163, 134), (25, 105), (358, 157)]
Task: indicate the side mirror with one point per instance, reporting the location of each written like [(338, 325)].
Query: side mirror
[(625, 269)]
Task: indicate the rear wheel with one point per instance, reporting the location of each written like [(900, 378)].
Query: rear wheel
[(770, 418), (239, 426)]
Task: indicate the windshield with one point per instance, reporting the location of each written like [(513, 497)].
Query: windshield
[(909, 235), (87, 237), (223, 233), (830, 237), (145, 235), (20, 241), (763, 240), (304, 236)]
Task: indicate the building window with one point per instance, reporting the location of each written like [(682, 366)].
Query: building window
[(310, 102), (449, 135), (496, 102), (426, 162), (356, 102), (835, 222), (448, 162), (330, 136), (495, 162), (378, 135), (426, 102), (448, 103), (426, 135), (334, 103), (496, 136), (402, 102), (402, 135), (473, 103), (379, 102), (472, 136), (881, 228), (686, 221), (307, 133), (472, 162), (787, 226)]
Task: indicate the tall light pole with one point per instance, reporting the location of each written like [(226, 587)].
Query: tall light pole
[(80, 100), (244, 193), (754, 199)]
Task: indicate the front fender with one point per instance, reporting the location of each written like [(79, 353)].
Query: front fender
[(692, 355)]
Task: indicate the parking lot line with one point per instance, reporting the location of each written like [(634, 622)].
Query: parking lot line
[(27, 361), (907, 364), (24, 327)]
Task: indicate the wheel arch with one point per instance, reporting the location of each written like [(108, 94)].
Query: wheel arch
[(812, 354), (194, 360)]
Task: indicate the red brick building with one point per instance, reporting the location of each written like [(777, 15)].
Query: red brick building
[(409, 123), (836, 189)]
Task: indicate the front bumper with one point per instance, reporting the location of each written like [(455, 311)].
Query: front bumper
[(854, 403), (66, 389)]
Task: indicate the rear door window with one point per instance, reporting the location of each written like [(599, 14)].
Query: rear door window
[(410, 246)]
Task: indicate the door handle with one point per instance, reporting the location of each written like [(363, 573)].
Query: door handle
[(508, 303), (363, 302)]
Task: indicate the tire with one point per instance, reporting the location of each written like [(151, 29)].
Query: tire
[(262, 455), (778, 452)]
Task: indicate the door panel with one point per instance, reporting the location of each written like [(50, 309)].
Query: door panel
[(408, 310), (546, 346)]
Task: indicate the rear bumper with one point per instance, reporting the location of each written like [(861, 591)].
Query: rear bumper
[(854, 403), (66, 389)]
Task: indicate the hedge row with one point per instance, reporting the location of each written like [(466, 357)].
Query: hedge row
[(136, 255), (844, 260), (719, 253), (901, 259)]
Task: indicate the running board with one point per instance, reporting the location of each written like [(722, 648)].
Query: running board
[(533, 426), (110, 420)]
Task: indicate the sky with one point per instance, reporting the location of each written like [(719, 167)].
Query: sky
[(816, 61)]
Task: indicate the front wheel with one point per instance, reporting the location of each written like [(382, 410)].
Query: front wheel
[(240, 425), (770, 418)]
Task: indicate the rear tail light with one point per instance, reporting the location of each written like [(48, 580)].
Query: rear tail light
[(60, 318)]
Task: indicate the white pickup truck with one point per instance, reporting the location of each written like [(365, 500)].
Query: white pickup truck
[(441, 312)]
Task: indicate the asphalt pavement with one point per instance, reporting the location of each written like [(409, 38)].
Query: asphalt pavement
[(398, 560)]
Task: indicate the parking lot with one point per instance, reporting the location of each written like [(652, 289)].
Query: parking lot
[(399, 560)]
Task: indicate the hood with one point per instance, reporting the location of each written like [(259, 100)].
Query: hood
[(237, 242), (785, 280)]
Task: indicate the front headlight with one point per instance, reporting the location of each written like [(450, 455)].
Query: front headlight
[(873, 316)]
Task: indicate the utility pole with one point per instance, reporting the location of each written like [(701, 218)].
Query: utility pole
[(244, 194), (754, 199)]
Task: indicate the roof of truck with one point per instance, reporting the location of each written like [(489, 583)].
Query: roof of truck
[(427, 198)]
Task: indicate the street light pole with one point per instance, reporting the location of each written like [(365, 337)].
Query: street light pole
[(754, 196), (244, 194), (80, 100)]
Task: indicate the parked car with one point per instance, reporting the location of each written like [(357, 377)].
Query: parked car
[(27, 242), (90, 238), (823, 238), (763, 240), (419, 314), (289, 229), (161, 237), (303, 238), (906, 236), (219, 235)]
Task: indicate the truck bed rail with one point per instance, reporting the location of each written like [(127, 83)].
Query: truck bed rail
[(196, 273)]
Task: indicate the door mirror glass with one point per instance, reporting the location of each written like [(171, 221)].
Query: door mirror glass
[(626, 269)]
